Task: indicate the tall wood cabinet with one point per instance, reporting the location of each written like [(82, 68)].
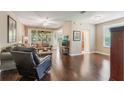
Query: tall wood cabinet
[(117, 54)]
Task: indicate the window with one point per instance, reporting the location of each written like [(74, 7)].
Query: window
[(107, 38), (40, 36)]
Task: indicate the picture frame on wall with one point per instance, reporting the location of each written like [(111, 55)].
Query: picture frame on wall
[(76, 35), (12, 30)]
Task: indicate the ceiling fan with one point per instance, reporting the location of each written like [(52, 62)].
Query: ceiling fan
[(45, 22)]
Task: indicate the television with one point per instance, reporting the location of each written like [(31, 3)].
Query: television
[(65, 41)]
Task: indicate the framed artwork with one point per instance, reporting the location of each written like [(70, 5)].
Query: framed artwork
[(12, 30), (76, 35)]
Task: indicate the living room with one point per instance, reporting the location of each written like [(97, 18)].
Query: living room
[(81, 43), (77, 43)]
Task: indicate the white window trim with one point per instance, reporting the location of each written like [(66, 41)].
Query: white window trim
[(108, 27), (104, 38)]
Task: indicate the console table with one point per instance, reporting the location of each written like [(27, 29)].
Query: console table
[(65, 50)]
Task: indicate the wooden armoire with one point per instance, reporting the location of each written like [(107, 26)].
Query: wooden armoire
[(117, 54)]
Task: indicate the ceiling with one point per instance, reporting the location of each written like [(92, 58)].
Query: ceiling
[(55, 19), (96, 17)]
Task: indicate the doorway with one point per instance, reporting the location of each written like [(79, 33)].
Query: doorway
[(82, 41), (85, 42)]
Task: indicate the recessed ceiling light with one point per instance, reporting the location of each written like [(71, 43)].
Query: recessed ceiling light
[(97, 17)]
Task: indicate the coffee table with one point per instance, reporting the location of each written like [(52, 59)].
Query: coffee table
[(42, 53)]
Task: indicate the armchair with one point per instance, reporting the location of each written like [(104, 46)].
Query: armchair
[(30, 65)]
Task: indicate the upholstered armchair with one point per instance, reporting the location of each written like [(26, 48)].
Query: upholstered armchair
[(29, 64)]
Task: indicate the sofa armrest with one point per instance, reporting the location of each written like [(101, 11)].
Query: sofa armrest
[(44, 59), (6, 56), (43, 67)]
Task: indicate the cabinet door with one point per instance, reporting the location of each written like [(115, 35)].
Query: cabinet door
[(117, 55)]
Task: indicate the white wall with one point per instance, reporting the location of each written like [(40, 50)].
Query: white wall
[(99, 34), (75, 46), (56, 35), (67, 29), (92, 37), (89, 38), (3, 28)]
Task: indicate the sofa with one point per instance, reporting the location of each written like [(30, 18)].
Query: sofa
[(6, 59)]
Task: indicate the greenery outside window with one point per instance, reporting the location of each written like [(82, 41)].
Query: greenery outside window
[(107, 38), (40, 36)]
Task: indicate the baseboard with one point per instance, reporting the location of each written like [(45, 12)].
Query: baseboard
[(102, 53), (90, 53), (82, 53), (75, 54)]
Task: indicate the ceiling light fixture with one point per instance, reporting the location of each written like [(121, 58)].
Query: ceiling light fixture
[(97, 18), (45, 22)]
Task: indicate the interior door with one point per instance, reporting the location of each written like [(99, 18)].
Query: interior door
[(82, 41)]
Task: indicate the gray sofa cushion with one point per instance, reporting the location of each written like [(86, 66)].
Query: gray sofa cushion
[(6, 56), (7, 65)]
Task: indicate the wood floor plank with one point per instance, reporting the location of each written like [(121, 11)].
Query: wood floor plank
[(86, 67)]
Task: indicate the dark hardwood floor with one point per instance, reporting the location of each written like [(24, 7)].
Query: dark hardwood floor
[(86, 67)]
